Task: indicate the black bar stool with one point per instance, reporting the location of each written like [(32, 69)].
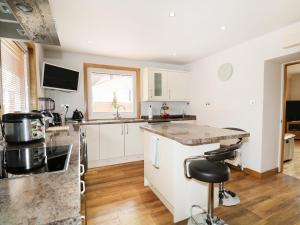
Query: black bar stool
[(209, 172), (226, 197)]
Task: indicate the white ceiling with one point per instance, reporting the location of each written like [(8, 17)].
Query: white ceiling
[(143, 29)]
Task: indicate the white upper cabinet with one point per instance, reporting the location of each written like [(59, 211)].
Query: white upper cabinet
[(156, 84), (177, 86), (164, 85)]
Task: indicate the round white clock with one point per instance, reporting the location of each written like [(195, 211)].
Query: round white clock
[(225, 71)]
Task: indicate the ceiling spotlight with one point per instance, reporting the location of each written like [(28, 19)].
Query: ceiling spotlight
[(24, 7), (172, 14), (223, 28)]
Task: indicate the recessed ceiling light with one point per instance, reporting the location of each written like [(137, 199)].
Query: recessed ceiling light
[(223, 28), (174, 54), (172, 14)]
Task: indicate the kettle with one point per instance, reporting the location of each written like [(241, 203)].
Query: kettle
[(77, 115)]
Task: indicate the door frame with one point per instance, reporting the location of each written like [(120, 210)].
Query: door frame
[(283, 113)]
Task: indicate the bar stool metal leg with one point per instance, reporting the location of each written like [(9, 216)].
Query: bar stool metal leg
[(206, 218)]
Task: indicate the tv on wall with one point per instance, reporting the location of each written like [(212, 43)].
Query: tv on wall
[(59, 78), (292, 110)]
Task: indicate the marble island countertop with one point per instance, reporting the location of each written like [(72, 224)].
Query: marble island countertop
[(192, 134), (46, 198)]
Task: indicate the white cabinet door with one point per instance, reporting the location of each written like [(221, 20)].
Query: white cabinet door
[(177, 86), (158, 85), (111, 141), (133, 139), (93, 142)]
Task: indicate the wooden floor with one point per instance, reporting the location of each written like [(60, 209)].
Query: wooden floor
[(116, 196), (292, 167)]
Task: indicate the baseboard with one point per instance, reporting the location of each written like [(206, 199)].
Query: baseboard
[(114, 161), (256, 174), (234, 167)]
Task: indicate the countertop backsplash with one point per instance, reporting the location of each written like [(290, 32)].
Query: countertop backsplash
[(175, 107)]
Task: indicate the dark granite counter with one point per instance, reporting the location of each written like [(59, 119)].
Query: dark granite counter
[(46, 198), (144, 119), (192, 134)]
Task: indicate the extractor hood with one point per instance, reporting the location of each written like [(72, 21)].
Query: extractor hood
[(28, 20), (9, 26)]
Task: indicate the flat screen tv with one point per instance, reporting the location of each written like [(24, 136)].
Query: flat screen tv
[(292, 110), (59, 78)]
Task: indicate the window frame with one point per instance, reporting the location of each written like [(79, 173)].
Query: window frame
[(88, 67)]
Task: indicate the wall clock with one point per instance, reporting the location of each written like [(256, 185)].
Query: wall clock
[(225, 71)]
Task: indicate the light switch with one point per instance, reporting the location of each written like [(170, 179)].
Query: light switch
[(252, 102)]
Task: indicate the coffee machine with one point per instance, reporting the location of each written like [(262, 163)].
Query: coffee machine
[(46, 107)]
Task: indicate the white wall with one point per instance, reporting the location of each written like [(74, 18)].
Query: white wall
[(271, 115), (239, 102), (75, 61)]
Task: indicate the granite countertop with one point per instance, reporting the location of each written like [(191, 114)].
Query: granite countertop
[(46, 198), (144, 119), (192, 134)]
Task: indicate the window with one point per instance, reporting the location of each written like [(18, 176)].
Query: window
[(109, 90), (13, 77)]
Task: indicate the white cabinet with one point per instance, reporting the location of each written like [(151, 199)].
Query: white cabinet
[(111, 141), (110, 144), (133, 139), (167, 85), (177, 86), (93, 142), (158, 84)]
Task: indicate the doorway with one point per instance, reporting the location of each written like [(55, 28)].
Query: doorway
[(290, 144)]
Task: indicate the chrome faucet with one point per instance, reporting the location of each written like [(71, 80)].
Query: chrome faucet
[(118, 114)]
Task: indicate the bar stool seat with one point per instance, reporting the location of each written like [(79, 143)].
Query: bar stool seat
[(207, 171)]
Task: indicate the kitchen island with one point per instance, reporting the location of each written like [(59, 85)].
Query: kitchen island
[(165, 148), (45, 198)]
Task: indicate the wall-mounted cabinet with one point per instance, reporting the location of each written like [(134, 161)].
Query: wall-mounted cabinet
[(164, 85)]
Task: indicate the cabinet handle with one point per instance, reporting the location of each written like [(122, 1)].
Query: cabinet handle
[(83, 187), (151, 93), (126, 128), (169, 94), (81, 169), (122, 129)]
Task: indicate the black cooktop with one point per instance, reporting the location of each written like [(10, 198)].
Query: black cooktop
[(16, 161)]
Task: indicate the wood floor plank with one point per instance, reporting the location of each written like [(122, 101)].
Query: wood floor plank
[(116, 196)]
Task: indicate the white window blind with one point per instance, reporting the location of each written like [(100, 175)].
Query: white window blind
[(13, 77)]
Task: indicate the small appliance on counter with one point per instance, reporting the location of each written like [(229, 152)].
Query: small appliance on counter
[(57, 119), (77, 115), (23, 127), (18, 161), (46, 107), (164, 111)]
